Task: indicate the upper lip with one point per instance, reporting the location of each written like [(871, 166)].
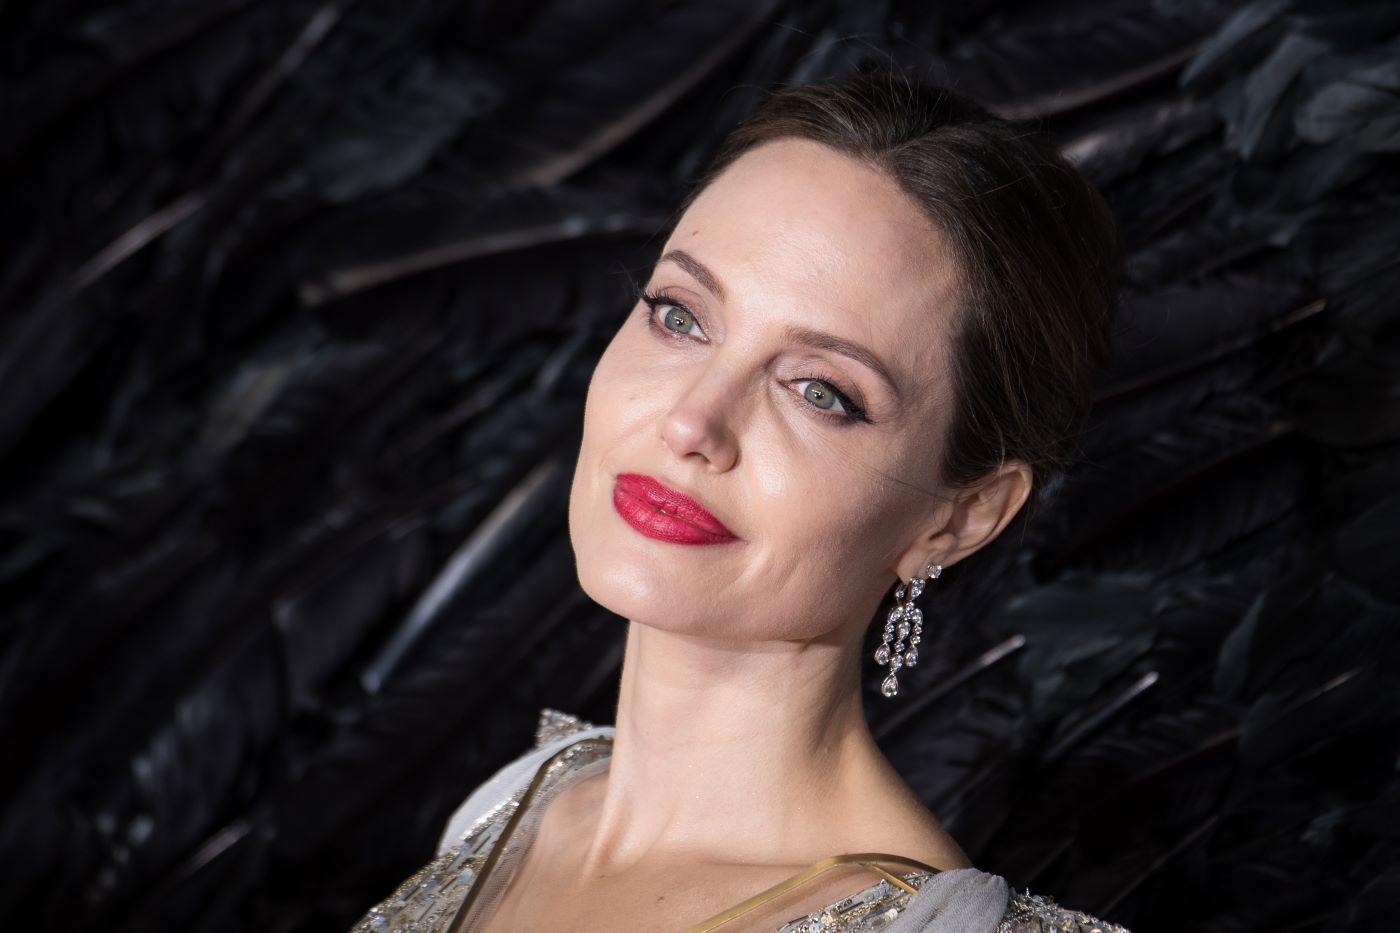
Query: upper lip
[(672, 502)]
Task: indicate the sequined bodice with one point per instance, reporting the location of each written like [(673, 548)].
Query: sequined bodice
[(442, 895)]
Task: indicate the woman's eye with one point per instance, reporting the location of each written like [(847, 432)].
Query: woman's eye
[(675, 320), (823, 396), (680, 321)]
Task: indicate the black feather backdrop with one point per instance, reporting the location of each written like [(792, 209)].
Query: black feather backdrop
[(298, 304)]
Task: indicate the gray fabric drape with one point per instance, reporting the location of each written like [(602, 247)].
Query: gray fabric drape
[(962, 900)]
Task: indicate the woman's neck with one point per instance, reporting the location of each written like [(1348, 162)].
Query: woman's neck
[(728, 753)]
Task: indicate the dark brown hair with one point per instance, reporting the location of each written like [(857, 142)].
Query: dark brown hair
[(1037, 250)]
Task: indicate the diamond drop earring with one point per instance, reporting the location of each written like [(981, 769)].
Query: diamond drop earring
[(904, 621)]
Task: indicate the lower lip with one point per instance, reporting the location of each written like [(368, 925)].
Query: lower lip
[(645, 517)]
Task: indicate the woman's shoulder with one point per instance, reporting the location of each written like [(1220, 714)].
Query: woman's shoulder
[(554, 725), (1035, 913), (963, 900), (555, 732)]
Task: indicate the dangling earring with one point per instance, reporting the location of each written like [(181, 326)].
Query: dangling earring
[(904, 621)]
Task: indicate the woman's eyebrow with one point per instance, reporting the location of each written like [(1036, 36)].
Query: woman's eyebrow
[(821, 340), (817, 339), (697, 269)]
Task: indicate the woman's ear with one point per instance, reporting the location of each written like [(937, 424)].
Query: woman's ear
[(969, 520)]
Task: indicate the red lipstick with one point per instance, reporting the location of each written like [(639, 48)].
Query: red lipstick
[(660, 512)]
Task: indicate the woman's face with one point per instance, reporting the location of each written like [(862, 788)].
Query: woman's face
[(721, 385)]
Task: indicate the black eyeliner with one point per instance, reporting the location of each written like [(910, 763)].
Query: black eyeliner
[(857, 412), (652, 300)]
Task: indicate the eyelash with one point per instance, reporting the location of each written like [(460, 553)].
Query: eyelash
[(653, 300)]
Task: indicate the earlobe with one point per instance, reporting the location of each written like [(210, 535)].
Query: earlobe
[(936, 544)]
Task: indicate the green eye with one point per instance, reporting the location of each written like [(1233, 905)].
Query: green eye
[(679, 320), (676, 320), (820, 395)]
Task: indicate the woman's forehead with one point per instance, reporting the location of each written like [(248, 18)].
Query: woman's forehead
[(800, 224)]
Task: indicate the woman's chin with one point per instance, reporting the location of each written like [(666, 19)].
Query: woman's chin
[(620, 587)]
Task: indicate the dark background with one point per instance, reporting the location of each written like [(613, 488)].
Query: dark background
[(298, 303)]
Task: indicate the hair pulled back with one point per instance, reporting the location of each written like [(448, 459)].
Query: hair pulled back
[(1037, 251)]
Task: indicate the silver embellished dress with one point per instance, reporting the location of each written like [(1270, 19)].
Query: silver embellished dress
[(487, 835)]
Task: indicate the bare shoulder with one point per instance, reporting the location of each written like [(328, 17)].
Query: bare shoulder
[(920, 836), (905, 826)]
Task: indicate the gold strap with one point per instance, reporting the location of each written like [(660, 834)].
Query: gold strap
[(864, 859), (536, 782)]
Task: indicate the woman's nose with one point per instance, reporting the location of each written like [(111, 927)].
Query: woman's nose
[(702, 423)]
